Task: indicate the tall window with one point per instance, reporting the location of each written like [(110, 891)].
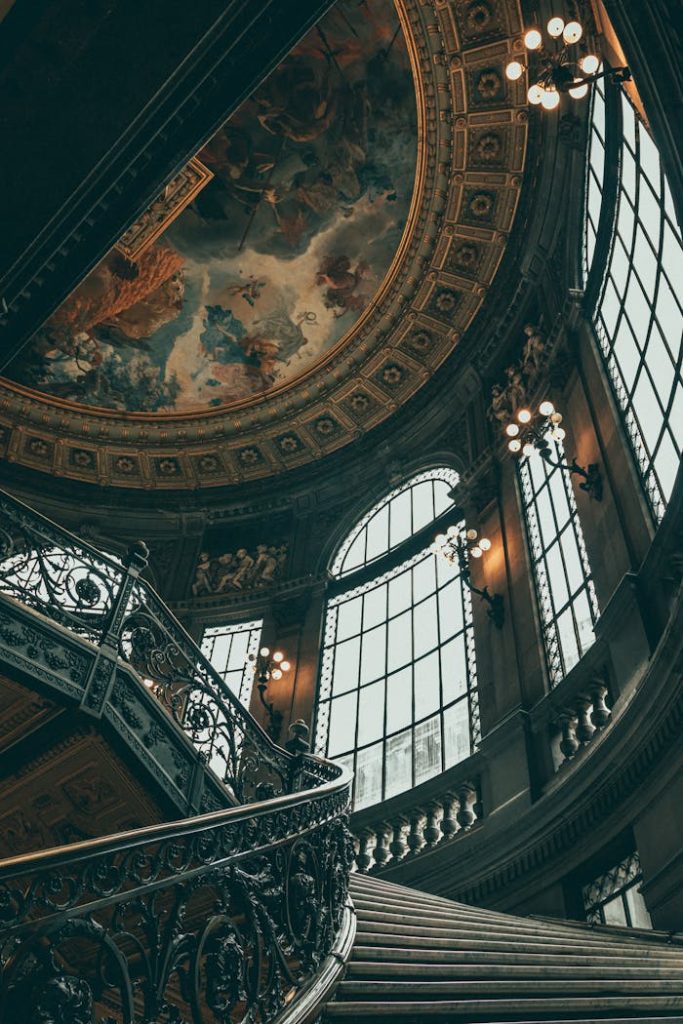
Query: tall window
[(615, 897), (397, 700), (639, 314), (232, 651), (564, 586)]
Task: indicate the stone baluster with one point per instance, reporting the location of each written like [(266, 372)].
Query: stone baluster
[(584, 728), (364, 857), (415, 839), (397, 846), (449, 823), (601, 713), (467, 798), (432, 832), (569, 744), (380, 851)]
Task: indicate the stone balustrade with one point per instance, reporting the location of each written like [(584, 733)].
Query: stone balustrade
[(437, 812)]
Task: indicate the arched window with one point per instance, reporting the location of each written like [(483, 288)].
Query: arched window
[(397, 699), (638, 312)]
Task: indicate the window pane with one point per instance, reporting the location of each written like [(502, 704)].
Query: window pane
[(399, 763), (456, 733), (427, 676), (374, 606), (342, 724), (450, 610), (615, 912), (346, 665), (427, 749), (399, 700), (372, 664), (348, 618), (425, 626), (232, 651), (368, 781), (371, 713), (400, 650)]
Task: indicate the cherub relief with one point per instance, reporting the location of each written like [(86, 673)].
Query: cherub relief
[(532, 353), (239, 571)]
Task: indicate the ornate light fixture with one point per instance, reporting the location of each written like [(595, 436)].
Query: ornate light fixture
[(535, 431), (561, 71), (270, 666), (457, 549)]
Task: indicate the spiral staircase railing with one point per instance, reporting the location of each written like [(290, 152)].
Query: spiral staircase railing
[(224, 916)]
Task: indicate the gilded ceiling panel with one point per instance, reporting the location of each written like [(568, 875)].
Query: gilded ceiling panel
[(305, 275)]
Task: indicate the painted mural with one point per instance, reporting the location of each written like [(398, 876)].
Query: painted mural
[(275, 258)]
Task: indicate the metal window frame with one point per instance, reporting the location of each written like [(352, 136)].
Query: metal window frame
[(599, 274), (208, 644), (549, 608)]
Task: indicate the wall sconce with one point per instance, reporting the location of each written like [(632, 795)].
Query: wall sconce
[(270, 666), (560, 71), (534, 432), (457, 550)]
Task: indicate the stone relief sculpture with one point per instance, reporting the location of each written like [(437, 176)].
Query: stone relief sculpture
[(507, 398), (239, 571)]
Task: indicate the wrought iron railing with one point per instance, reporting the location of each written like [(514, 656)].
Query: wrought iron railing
[(53, 572), (225, 916)]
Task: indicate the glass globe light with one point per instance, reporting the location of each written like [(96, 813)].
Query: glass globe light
[(551, 99), (514, 70), (471, 534), (535, 94), (590, 63), (264, 652), (476, 551), (285, 666), (578, 90), (485, 544), (278, 656), (533, 39), (515, 445), (523, 415), (546, 408), (560, 433), (556, 417), (512, 430), (572, 32), (276, 673), (452, 531), (555, 27), (528, 449)]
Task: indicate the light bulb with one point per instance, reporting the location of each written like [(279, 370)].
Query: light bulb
[(515, 445), (278, 656), (476, 551), (452, 531), (528, 449), (590, 63), (578, 90), (264, 652), (551, 99), (560, 433), (512, 430), (555, 26), (572, 32), (535, 94), (523, 415), (485, 544), (556, 417), (533, 39), (276, 673), (285, 666), (440, 539), (514, 70), (546, 408), (471, 534)]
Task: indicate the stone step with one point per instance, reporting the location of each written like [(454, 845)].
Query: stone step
[(426, 954), (490, 1010), (401, 990), (565, 973)]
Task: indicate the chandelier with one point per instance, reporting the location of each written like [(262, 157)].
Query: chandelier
[(536, 432), (457, 548), (559, 69)]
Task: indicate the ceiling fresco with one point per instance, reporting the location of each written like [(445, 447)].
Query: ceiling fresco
[(372, 184), (275, 258)]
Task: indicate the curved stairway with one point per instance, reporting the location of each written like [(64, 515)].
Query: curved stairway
[(419, 957)]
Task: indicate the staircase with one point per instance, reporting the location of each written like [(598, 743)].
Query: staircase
[(236, 910), (418, 957)]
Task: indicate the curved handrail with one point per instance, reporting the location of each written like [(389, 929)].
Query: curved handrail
[(50, 570)]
